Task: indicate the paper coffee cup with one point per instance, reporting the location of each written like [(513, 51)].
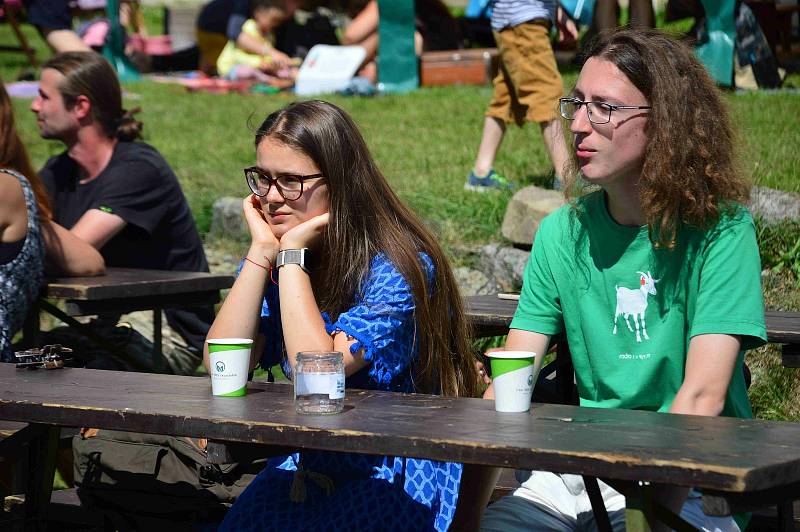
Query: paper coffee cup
[(514, 375), (229, 361)]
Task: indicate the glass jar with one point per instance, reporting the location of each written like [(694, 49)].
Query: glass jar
[(319, 382)]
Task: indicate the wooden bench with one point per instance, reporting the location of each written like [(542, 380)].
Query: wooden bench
[(491, 316), (123, 290)]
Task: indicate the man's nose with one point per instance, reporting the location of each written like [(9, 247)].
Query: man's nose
[(35, 104), (580, 121)]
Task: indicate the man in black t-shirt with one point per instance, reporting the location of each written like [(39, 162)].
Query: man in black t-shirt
[(121, 196)]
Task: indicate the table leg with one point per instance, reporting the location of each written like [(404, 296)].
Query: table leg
[(601, 519), (157, 341), (642, 511), (786, 517), (638, 509), (31, 327), (790, 356), (42, 454)]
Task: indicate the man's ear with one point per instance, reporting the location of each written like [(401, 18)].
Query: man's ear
[(82, 107)]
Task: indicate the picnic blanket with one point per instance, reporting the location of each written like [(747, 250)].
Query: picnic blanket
[(197, 81)]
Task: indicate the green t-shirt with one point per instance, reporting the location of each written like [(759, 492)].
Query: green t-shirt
[(629, 310)]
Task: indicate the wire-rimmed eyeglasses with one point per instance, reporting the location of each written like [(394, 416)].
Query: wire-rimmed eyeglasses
[(599, 112), (290, 186)]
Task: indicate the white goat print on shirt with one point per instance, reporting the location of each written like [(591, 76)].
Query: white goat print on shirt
[(634, 303)]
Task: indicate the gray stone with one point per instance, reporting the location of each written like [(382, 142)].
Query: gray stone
[(474, 282), (774, 205), (505, 265), (222, 260), (526, 210), (227, 219)]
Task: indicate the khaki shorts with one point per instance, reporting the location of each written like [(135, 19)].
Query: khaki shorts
[(528, 85)]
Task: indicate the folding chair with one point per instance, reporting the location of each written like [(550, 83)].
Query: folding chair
[(10, 8)]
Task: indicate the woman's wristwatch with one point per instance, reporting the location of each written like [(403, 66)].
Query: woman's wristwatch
[(293, 256)]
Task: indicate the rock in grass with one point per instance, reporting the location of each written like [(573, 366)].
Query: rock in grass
[(774, 206), (227, 219), (474, 282), (505, 265), (526, 210)]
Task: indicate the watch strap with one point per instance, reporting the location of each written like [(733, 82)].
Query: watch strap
[(292, 256)]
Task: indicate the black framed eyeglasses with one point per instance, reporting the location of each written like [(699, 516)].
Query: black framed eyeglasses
[(290, 186), (599, 112)]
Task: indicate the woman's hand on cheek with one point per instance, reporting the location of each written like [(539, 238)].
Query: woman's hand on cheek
[(261, 234), (307, 234)]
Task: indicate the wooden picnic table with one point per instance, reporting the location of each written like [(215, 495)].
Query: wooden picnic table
[(754, 461), (491, 316), (123, 290)]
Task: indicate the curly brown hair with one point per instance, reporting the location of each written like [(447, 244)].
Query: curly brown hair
[(690, 173)]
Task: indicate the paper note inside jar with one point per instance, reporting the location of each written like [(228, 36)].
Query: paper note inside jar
[(329, 384)]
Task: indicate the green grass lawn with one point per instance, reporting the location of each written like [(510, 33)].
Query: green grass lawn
[(425, 142)]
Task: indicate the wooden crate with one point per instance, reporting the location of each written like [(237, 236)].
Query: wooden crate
[(475, 66)]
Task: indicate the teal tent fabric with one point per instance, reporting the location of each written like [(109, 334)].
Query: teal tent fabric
[(397, 60), (717, 53), (114, 48)]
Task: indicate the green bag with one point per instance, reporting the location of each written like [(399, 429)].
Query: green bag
[(146, 481)]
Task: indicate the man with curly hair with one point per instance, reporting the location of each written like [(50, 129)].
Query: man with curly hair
[(653, 274)]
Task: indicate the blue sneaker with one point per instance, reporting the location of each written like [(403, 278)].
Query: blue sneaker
[(491, 181)]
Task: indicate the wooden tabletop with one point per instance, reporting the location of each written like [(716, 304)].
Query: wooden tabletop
[(128, 282), (489, 315), (725, 454)]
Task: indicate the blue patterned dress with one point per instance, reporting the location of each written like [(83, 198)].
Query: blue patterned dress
[(21, 278), (380, 493)]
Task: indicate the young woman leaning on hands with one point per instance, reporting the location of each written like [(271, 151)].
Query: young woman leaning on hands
[(372, 284)]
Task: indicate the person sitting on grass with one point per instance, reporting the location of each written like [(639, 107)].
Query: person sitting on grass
[(434, 29), (53, 19), (338, 263), (653, 274), (30, 241), (269, 65)]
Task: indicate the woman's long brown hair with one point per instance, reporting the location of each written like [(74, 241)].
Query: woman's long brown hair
[(367, 219), (690, 173), (14, 156)]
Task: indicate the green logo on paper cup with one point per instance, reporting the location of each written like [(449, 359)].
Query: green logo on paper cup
[(221, 367), (530, 380)]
